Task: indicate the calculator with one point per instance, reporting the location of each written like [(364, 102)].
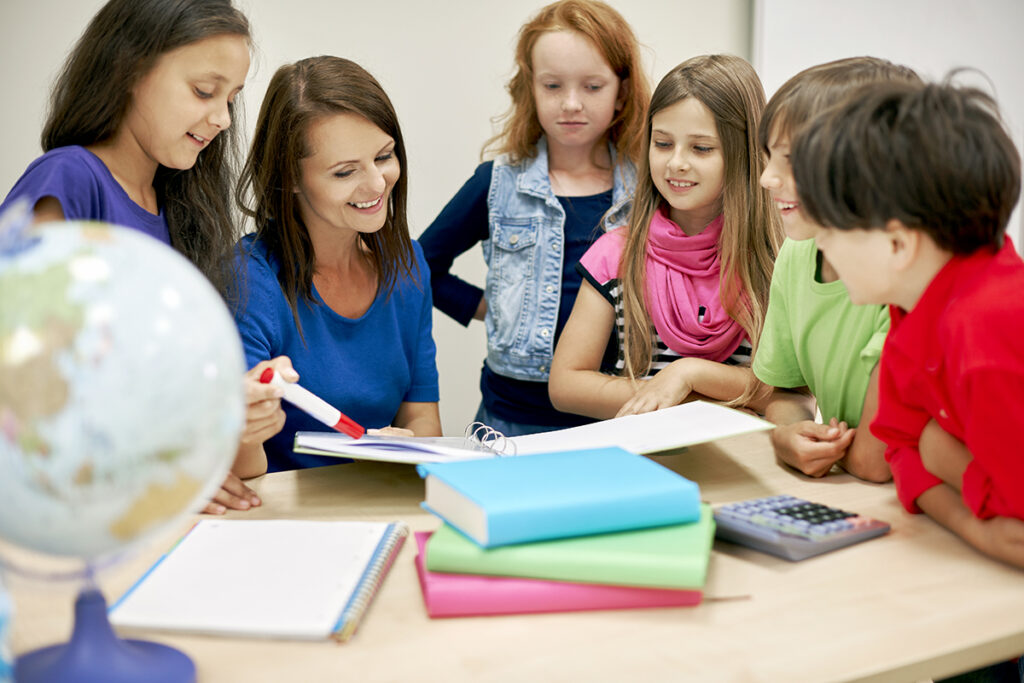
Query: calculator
[(793, 528)]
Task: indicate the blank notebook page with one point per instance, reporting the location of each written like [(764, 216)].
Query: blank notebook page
[(659, 430), (270, 578)]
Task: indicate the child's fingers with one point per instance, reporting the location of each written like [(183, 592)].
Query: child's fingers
[(819, 432), (214, 509), (846, 438), (635, 406), (816, 457), (627, 408), (230, 501), (236, 487)]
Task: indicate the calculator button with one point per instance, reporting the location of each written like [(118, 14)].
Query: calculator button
[(793, 528)]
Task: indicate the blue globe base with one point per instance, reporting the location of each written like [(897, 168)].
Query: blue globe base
[(96, 655)]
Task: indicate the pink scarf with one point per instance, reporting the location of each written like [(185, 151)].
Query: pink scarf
[(683, 277)]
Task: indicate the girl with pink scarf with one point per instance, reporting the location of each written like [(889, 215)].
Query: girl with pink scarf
[(682, 290)]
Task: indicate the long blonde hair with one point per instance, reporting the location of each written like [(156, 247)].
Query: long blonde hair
[(729, 87), (615, 40)]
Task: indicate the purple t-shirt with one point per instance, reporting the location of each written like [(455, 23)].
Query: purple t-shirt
[(86, 191)]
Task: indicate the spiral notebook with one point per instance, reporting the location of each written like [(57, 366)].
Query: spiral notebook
[(659, 431), (292, 579)]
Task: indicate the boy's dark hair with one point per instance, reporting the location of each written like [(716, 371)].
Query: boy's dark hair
[(818, 87), (935, 157)]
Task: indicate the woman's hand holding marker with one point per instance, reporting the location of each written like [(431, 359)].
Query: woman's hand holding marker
[(313, 404)]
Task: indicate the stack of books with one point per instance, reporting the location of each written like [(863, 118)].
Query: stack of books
[(592, 529)]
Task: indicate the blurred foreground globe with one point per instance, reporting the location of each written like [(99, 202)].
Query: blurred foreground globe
[(121, 395)]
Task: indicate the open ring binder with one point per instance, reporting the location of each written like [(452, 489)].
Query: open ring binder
[(668, 429), (478, 441), (484, 438)]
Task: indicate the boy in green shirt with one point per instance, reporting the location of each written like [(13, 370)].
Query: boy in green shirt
[(818, 349)]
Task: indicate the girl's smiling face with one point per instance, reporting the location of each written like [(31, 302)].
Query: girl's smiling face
[(181, 104), (687, 165)]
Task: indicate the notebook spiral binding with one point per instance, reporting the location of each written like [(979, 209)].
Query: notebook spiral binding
[(484, 438), (379, 567)]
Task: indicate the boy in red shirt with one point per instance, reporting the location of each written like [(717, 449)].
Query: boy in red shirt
[(917, 183)]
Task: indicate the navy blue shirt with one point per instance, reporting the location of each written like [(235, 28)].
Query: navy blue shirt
[(462, 224)]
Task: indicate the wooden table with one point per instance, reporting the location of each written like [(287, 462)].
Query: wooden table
[(915, 604)]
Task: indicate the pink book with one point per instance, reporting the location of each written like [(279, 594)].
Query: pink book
[(467, 595)]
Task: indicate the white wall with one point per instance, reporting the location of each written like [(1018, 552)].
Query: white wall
[(931, 36), (443, 62)]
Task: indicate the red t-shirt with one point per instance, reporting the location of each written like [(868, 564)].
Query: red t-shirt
[(958, 358)]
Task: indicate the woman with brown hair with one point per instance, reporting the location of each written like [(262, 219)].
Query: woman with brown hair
[(334, 284)]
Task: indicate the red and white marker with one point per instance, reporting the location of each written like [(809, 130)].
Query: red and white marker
[(314, 405)]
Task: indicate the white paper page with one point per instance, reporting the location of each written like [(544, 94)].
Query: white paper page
[(264, 578), (412, 450), (675, 427)]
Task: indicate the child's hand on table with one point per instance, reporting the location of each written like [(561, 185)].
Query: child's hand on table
[(666, 389), (810, 447), (233, 495)]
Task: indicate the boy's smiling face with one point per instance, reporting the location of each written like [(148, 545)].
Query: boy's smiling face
[(777, 178), (865, 261)]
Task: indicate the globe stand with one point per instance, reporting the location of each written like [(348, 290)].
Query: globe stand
[(96, 655)]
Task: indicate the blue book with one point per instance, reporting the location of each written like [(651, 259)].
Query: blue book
[(507, 500)]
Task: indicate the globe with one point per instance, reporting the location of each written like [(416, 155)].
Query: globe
[(121, 393)]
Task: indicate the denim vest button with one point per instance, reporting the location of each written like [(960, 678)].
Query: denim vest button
[(549, 288), (545, 332), (543, 368)]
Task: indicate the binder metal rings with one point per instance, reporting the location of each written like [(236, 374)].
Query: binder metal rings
[(485, 438)]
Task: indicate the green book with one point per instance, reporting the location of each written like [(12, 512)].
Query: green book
[(663, 557)]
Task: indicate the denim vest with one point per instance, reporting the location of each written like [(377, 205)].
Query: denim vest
[(524, 261)]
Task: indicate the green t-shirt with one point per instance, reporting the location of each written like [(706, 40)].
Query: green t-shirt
[(815, 337)]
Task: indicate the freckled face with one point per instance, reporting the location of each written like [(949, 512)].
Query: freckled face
[(778, 179), (687, 165), (575, 90), (181, 104), (347, 180)]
